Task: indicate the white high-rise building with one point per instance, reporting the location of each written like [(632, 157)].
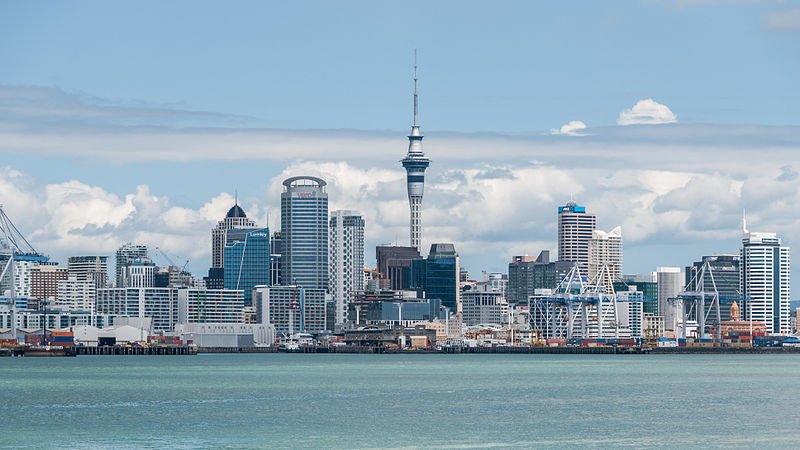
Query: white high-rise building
[(670, 283), (77, 294), (575, 227), (346, 261), (765, 280), (605, 249)]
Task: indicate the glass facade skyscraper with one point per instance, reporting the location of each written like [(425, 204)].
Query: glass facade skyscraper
[(437, 276), (247, 260), (304, 232), (725, 272)]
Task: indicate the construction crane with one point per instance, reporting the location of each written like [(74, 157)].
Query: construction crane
[(171, 261)]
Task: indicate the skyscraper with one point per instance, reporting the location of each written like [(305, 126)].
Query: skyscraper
[(236, 218), (575, 227), (437, 276), (304, 232), (765, 280), (346, 260), (415, 164), (605, 249), (246, 260), (723, 274)]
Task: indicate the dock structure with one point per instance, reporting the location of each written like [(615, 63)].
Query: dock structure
[(122, 350)]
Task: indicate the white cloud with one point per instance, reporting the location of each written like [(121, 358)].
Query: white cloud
[(571, 128), (682, 186), (784, 20), (647, 112)]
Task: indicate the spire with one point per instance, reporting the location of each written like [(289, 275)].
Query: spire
[(416, 109), (235, 196), (744, 221)]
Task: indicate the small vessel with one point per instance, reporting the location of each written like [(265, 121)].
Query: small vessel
[(792, 341)]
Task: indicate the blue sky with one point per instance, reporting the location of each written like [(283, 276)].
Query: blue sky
[(196, 99)]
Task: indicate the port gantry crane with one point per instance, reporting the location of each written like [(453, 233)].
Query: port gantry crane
[(580, 309), (14, 247), (698, 303)]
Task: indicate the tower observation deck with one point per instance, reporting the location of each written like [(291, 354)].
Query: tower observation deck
[(415, 164)]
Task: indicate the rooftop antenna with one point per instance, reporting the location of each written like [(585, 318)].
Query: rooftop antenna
[(415, 87), (235, 196)]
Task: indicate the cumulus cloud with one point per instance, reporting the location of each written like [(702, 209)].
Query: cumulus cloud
[(647, 112), (783, 20), (571, 128), (492, 195)]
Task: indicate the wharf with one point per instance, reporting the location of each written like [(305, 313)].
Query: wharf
[(237, 349), (136, 351)]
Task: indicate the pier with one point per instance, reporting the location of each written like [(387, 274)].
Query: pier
[(136, 351)]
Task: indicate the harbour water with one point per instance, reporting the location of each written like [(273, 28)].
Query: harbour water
[(400, 401)]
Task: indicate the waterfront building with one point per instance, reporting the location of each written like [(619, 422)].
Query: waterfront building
[(437, 276), (605, 251), (652, 326), (230, 335), (89, 268), (575, 227), (735, 328), (527, 274), (482, 305), (126, 255), (394, 263), (765, 280), (278, 305), (235, 218), (160, 304), (346, 260), (210, 306), (304, 232), (647, 285), (723, 276), (246, 260), (670, 284), (405, 312), (415, 164), (44, 281)]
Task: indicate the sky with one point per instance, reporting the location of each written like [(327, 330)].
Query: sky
[(137, 121)]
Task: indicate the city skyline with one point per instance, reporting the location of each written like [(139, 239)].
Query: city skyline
[(135, 165)]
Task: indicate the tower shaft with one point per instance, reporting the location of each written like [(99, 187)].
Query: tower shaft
[(415, 164)]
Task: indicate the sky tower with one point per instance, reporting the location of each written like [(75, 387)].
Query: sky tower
[(415, 164)]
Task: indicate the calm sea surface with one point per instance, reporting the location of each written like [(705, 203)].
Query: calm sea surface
[(450, 401)]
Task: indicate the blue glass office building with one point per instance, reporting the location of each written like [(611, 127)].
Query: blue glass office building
[(437, 276), (246, 260)]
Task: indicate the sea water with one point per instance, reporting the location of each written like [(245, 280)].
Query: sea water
[(400, 401)]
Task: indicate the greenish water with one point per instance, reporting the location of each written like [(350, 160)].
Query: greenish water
[(337, 400)]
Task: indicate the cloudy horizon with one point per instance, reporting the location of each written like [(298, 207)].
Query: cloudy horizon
[(150, 148)]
